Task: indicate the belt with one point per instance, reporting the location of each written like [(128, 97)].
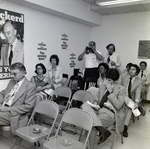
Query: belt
[(109, 109)]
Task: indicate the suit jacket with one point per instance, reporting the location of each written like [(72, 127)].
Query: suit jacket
[(18, 55), (22, 104), (135, 89), (145, 81), (117, 101)]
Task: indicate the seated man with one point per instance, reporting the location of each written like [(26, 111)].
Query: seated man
[(133, 86), (111, 106), (17, 99)]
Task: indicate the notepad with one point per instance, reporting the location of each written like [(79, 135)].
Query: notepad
[(135, 111)]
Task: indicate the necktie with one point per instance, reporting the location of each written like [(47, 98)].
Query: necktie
[(104, 99), (10, 96), (129, 87), (11, 54), (108, 59), (141, 73)]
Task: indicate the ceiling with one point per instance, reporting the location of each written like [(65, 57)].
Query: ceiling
[(118, 9)]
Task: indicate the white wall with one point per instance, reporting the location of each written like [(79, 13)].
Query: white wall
[(125, 31), (42, 27)]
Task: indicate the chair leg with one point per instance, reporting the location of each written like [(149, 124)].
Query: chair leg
[(88, 145), (15, 142), (133, 118), (1, 132), (121, 137), (19, 144), (81, 135), (113, 141)]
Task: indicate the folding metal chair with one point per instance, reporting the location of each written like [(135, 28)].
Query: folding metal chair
[(36, 132), (62, 96), (82, 96), (75, 117)]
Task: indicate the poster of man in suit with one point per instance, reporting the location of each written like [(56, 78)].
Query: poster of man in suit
[(11, 40)]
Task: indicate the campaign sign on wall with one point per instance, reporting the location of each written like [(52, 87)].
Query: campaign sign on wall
[(11, 41)]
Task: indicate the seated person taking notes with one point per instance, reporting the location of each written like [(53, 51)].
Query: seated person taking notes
[(111, 109)]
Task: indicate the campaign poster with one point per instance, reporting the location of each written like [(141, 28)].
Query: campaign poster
[(11, 41)]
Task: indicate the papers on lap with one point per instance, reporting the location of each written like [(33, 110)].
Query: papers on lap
[(135, 111), (93, 105), (49, 91)]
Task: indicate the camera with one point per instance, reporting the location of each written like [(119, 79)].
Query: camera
[(88, 49)]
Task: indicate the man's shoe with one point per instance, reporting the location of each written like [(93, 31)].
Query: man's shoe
[(125, 133), (143, 113), (104, 137)]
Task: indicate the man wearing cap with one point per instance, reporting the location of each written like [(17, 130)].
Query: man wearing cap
[(92, 59)]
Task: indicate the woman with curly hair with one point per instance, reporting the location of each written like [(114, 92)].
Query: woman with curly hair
[(54, 73)]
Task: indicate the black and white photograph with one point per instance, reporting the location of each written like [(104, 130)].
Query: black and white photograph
[(74, 74)]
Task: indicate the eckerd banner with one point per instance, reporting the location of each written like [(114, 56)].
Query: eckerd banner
[(11, 41)]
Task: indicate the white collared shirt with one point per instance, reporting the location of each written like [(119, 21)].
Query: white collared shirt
[(91, 60), (16, 86)]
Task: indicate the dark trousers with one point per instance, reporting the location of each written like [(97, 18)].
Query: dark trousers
[(91, 73)]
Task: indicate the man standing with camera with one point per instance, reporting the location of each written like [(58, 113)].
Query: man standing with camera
[(92, 59)]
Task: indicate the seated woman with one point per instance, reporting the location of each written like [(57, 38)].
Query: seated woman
[(40, 82), (111, 109), (102, 68), (54, 73)]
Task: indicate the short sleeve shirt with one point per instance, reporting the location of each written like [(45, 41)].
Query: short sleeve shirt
[(91, 60)]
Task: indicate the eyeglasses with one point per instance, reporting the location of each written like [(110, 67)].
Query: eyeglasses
[(14, 74)]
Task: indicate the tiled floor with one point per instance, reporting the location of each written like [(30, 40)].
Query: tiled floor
[(139, 136)]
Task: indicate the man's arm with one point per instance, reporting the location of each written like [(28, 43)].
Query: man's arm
[(99, 55), (27, 104), (138, 94), (80, 57), (119, 100)]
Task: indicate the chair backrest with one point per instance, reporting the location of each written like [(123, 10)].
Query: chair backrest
[(46, 107), (63, 91), (83, 96), (89, 82), (76, 83), (79, 118)]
